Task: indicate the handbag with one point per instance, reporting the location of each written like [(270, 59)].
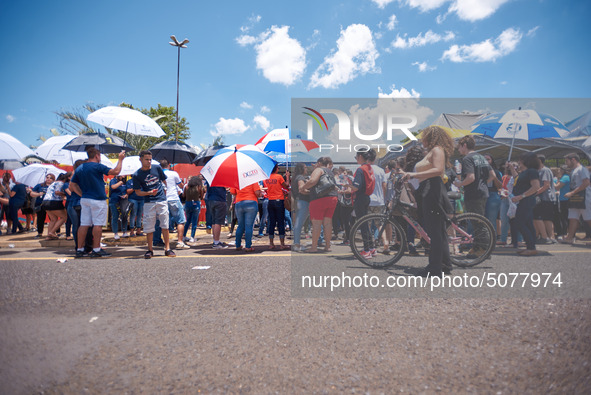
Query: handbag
[(577, 200), (326, 184)]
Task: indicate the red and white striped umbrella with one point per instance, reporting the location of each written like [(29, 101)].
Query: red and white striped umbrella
[(238, 166), (280, 140)]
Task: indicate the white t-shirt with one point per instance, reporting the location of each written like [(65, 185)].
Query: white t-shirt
[(377, 197), (172, 182), (576, 179)]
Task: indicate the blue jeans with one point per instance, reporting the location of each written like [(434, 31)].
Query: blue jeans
[(246, 212), (137, 210), (115, 215), (504, 219), (208, 218), (303, 212), (75, 218), (288, 218), (192, 209), (264, 216), (492, 209)]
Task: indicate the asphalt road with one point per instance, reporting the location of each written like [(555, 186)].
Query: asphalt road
[(220, 322)]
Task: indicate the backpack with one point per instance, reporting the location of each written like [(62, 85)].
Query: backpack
[(370, 178)]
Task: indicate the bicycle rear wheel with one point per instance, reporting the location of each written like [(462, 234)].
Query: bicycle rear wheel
[(380, 235), (471, 239)]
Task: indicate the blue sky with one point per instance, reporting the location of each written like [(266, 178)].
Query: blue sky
[(247, 59)]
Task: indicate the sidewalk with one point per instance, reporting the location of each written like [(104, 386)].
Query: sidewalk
[(28, 240)]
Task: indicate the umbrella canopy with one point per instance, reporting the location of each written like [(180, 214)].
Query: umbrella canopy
[(456, 125), (279, 140), (131, 164), (580, 126), (519, 124), (204, 156), (174, 152), (52, 150), (106, 143), (11, 148), (127, 120), (34, 174), (295, 157), (11, 164), (238, 166)]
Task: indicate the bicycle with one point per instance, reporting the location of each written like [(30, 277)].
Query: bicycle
[(471, 236)]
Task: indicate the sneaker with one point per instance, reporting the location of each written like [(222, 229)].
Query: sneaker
[(345, 243), (181, 245), (191, 240), (103, 245), (101, 253), (125, 235), (170, 253), (366, 255), (116, 237), (373, 252), (219, 246), (230, 235), (149, 254), (186, 238), (81, 254)]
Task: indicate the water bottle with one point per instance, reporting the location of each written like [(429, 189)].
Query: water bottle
[(458, 167)]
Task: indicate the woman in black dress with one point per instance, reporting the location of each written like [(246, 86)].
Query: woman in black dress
[(432, 197)]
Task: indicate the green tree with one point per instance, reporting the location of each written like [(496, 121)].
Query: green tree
[(74, 122)]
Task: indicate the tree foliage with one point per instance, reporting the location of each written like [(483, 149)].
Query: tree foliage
[(74, 122)]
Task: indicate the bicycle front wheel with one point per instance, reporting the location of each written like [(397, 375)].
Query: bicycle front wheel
[(471, 239), (377, 241)]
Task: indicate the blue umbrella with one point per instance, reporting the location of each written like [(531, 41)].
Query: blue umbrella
[(519, 124)]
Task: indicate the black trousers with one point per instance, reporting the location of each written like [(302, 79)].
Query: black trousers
[(41, 216)]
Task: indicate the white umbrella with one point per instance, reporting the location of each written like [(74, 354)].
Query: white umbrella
[(34, 174), (131, 164), (52, 149), (127, 120), (11, 148)]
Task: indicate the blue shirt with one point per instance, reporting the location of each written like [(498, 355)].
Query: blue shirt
[(73, 199), (89, 176), (147, 180), (40, 188), (115, 194), (133, 196), (565, 180), (215, 193), (19, 197)]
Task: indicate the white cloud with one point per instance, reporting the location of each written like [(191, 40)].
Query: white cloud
[(474, 10), (382, 3), (229, 127), (265, 109), (356, 55), (10, 118), (245, 105), (424, 5), (532, 32), (468, 10), (245, 40), (424, 66), (422, 39), (392, 21), (262, 122), (281, 58), (253, 20), (503, 82), (485, 51), (398, 93)]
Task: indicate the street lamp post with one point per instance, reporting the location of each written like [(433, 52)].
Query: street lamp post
[(179, 45)]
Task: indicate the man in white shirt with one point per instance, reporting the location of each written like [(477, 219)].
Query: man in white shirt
[(174, 187), (580, 189), (376, 199)]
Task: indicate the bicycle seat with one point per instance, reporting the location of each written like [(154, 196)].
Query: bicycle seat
[(455, 195)]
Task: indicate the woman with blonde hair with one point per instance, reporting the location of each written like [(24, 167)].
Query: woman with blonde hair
[(432, 197)]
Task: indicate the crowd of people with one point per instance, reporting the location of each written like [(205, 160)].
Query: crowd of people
[(524, 199)]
